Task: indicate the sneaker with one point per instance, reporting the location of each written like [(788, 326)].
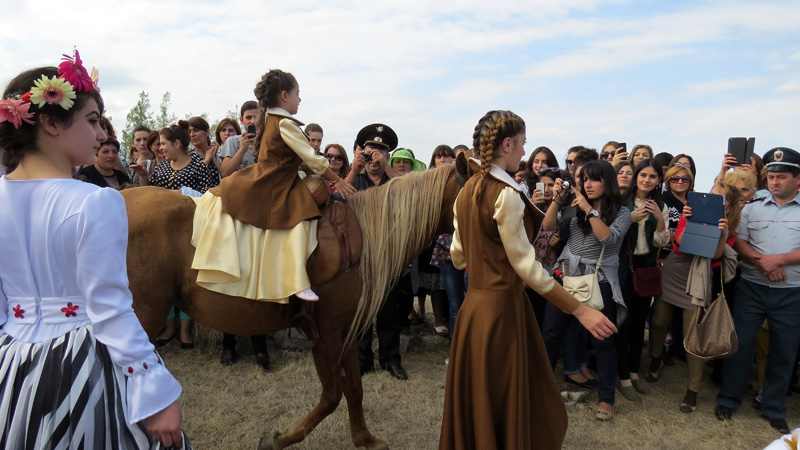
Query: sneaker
[(307, 295)]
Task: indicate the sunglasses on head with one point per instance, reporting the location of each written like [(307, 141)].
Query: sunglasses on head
[(680, 178), (548, 169), (336, 157)]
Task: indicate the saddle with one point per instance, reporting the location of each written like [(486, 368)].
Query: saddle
[(339, 240)]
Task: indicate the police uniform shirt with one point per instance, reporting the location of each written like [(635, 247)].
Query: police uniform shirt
[(771, 229), (364, 182)]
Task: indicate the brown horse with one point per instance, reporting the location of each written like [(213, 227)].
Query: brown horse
[(397, 220)]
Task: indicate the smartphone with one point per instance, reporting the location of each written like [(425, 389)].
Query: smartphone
[(737, 146), (751, 145), (540, 187), (623, 147), (251, 129)]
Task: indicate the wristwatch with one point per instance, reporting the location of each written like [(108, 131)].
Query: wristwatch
[(594, 213)]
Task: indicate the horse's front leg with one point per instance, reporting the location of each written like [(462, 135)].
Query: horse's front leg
[(354, 394), (326, 353)]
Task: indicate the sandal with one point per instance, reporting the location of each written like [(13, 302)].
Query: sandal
[(604, 415), (689, 403), (442, 330)]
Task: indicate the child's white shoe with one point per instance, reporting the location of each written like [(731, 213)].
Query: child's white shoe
[(307, 295)]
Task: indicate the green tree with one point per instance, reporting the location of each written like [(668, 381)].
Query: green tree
[(165, 118), (140, 114)]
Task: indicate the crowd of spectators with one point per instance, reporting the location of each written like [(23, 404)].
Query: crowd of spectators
[(642, 199)]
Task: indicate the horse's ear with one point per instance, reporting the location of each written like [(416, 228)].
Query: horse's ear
[(462, 166)]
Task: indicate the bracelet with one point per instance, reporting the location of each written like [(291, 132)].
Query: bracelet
[(558, 202)]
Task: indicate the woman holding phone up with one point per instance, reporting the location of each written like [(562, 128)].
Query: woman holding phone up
[(598, 227)]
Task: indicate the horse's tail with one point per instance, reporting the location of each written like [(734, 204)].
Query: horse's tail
[(397, 221)]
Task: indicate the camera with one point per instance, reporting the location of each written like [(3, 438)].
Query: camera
[(367, 156), (565, 184)]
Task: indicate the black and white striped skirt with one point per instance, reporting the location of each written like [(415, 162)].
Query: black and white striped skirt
[(65, 393)]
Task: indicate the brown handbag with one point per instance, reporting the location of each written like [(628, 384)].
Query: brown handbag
[(711, 334), (646, 280)]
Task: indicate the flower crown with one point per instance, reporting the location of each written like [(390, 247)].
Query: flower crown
[(60, 91)]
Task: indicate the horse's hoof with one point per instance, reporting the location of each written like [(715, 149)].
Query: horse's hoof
[(269, 443)]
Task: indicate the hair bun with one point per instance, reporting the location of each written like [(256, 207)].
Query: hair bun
[(183, 124)]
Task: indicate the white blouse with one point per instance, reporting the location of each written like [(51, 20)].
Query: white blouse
[(63, 266)]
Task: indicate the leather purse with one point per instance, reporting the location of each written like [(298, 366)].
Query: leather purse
[(646, 280), (712, 334), (586, 288)]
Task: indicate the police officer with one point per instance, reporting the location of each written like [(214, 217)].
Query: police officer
[(377, 140), (371, 157), (768, 241)]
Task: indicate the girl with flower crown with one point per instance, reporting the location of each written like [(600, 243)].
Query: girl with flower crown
[(76, 367)]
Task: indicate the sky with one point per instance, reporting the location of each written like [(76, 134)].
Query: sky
[(681, 76)]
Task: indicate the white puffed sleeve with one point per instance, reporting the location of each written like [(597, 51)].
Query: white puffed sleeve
[(457, 256), (102, 276), (508, 213), (296, 140)]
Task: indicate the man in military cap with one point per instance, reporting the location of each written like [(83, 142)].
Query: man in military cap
[(768, 241), (371, 168), (371, 159)]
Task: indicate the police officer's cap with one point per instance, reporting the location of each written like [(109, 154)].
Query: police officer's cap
[(782, 159), (377, 135)]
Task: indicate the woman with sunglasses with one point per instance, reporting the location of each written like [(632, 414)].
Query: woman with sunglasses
[(339, 164), (673, 281)]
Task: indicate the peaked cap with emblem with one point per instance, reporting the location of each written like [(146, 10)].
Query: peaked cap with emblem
[(377, 135), (782, 159)]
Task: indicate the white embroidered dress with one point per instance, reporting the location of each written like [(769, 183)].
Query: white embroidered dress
[(75, 363)]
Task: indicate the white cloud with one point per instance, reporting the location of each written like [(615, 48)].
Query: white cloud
[(431, 69)]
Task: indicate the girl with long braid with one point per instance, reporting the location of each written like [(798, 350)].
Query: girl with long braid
[(500, 391)]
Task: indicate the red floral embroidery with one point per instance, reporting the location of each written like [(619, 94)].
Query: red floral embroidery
[(70, 309), (145, 366), (130, 369), (19, 313)]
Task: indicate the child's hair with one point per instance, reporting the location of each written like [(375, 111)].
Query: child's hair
[(221, 125), (490, 131), (267, 92), (179, 132), (199, 123), (599, 171), (15, 142)]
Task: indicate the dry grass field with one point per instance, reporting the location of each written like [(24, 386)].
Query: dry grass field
[(233, 407)]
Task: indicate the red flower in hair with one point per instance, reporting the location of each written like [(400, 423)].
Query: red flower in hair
[(72, 70), (15, 111), (26, 97)]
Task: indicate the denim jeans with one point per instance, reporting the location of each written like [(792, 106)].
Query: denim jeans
[(573, 352), (456, 286), (556, 325)]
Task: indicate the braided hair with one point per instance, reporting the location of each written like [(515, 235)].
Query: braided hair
[(492, 129), (267, 92)]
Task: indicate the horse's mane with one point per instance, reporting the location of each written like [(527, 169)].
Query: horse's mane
[(396, 219)]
